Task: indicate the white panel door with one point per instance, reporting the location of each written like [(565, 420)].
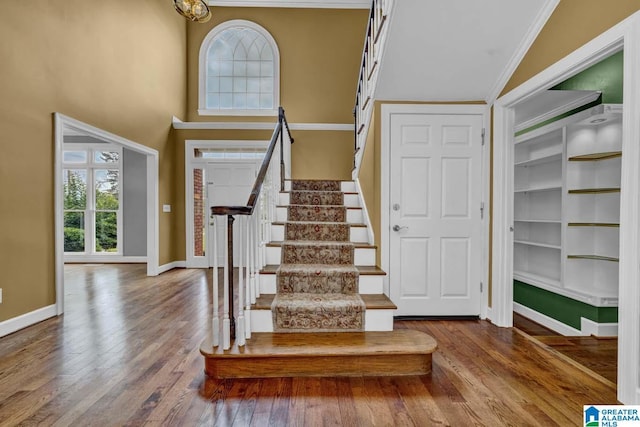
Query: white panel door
[(434, 214), (228, 184)]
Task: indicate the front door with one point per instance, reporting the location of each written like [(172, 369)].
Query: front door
[(435, 214), (229, 183)]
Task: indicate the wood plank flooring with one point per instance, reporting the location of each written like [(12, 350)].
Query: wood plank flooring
[(600, 354), (126, 352)]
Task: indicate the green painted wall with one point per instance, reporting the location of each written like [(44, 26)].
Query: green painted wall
[(605, 76), (561, 308)]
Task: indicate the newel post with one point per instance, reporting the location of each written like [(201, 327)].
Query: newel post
[(232, 320), (281, 124)]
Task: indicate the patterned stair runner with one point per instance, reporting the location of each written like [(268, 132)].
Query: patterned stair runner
[(317, 282)]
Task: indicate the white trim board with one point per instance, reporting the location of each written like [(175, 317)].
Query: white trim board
[(179, 124), (546, 321), (20, 322), (104, 259), (170, 266), (587, 327), (316, 4), (625, 35)]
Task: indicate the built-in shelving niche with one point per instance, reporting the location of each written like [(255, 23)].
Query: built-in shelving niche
[(567, 205)]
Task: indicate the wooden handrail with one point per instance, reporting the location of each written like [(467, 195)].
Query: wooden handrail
[(257, 186), (366, 80), (230, 211)]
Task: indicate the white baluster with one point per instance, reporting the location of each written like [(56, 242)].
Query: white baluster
[(215, 321), (240, 333), (226, 323), (247, 299), (259, 255), (252, 254)]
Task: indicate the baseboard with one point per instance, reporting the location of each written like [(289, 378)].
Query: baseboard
[(171, 266), (105, 259), (546, 321), (20, 322), (589, 327)]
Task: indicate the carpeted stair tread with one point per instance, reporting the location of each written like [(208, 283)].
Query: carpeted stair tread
[(303, 197), (317, 231), (363, 270), (305, 312), (317, 278), (316, 185), (324, 213), (312, 252)]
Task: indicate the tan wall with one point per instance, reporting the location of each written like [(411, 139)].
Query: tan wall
[(336, 146), (117, 65), (320, 54), (572, 24)]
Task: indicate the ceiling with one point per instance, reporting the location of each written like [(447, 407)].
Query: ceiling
[(456, 50)]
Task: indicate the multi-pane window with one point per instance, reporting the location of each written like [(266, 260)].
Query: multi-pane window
[(92, 208), (239, 70)]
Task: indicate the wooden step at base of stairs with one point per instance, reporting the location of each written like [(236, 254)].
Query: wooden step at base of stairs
[(378, 314), (337, 354)]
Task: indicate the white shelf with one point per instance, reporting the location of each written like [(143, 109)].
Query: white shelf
[(538, 280), (538, 189), (540, 160), (567, 206), (538, 244)]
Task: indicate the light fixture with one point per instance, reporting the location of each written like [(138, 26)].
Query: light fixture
[(600, 120), (193, 10)]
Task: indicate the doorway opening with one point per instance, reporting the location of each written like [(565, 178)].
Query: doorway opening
[(624, 36), (106, 199), (218, 173)]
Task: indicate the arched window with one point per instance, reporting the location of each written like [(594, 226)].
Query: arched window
[(239, 71)]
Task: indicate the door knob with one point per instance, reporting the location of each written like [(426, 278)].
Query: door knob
[(398, 228)]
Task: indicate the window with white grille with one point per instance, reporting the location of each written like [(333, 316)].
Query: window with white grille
[(239, 71)]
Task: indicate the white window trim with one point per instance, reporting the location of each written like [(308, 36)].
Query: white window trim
[(90, 210), (202, 72)]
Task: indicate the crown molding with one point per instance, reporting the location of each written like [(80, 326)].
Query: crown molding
[(317, 4)]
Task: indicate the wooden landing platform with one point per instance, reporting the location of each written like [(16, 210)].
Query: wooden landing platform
[(399, 352)]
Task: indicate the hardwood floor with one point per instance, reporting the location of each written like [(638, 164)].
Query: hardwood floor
[(600, 354), (126, 352)]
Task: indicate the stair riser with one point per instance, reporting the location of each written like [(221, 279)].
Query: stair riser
[(362, 256), (375, 320), (356, 234), (344, 283), (354, 216), (366, 284), (346, 186), (350, 200)]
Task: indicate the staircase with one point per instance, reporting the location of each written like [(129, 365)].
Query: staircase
[(322, 310)]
